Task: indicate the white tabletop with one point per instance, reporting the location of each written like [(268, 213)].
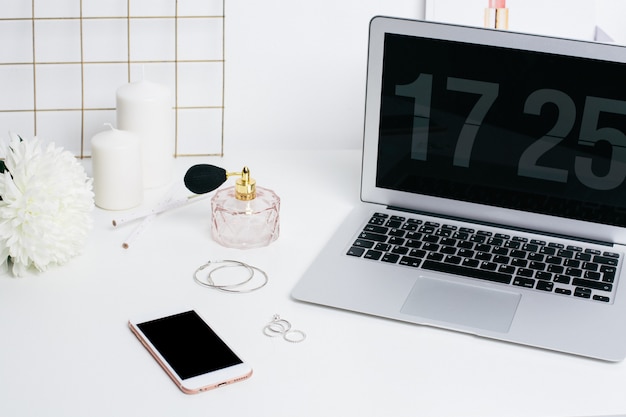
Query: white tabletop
[(66, 350)]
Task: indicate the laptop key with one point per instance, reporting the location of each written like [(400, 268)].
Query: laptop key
[(448, 250), (582, 292), (553, 260), (605, 260), (393, 223), (501, 259), (383, 247), (410, 243), (448, 241), (396, 233), (361, 243), (588, 266), (378, 219), (522, 263), (483, 256), (490, 266), (452, 259), (465, 244), (373, 254), (592, 275), (547, 250), (562, 279), (460, 235), (409, 261), (417, 253), (468, 272), (499, 250), (466, 253), (524, 282), (373, 236), (400, 250), (565, 253), (471, 263), (430, 247), (602, 286), (609, 273), (390, 257), (376, 229), (356, 251), (573, 272), (544, 285), (507, 269), (543, 275), (435, 256), (512, 244), (430, 239)]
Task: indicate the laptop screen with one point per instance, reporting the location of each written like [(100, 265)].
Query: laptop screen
[(524, 130)]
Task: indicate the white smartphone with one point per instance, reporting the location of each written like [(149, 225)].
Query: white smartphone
[(189, 351)]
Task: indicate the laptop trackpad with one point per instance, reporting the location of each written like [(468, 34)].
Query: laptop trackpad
[(462, 304)]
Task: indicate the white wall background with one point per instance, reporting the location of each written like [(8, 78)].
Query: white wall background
[(295, 70)]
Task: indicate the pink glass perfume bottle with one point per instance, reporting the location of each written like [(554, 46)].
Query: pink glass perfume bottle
[(245, 216)]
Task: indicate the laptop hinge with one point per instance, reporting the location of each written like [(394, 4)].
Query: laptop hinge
[(502, 226)]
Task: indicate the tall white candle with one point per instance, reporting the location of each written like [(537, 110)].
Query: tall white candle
[(117, 173), (145, 109)]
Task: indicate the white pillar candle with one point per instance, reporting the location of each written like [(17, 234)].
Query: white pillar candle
[(117, 173), (145, 109)]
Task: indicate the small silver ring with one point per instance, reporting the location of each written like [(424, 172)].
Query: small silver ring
[(276, 328), (299, 338)]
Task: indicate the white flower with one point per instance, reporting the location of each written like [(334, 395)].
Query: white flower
[(46, 200)]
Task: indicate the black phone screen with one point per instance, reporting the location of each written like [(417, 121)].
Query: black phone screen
[(188, 344)]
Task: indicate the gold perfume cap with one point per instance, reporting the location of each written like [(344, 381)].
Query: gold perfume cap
[(245, 187)]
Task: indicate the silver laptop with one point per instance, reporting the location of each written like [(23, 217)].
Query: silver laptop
[(493, 188)]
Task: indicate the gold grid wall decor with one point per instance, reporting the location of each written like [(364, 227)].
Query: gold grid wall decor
[(61, 62)]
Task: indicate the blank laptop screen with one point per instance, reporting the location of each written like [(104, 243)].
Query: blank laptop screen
[(517, 129)]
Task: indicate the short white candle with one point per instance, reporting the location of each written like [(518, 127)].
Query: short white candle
[(145, 109), (117, 173)]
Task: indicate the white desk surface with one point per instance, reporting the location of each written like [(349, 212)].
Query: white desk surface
[(66, 350)]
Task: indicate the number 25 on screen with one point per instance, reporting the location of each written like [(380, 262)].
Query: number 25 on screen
[(421, 91)]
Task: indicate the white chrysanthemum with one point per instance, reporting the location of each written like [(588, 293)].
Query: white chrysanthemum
[(45, 211)]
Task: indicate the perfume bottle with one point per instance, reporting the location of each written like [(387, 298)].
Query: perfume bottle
[(245, 216)]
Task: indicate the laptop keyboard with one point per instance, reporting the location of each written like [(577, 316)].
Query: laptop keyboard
[(543, 265)]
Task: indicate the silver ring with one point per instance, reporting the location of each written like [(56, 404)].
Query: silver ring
[(276, 327), (299, 338), (210, 282)]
